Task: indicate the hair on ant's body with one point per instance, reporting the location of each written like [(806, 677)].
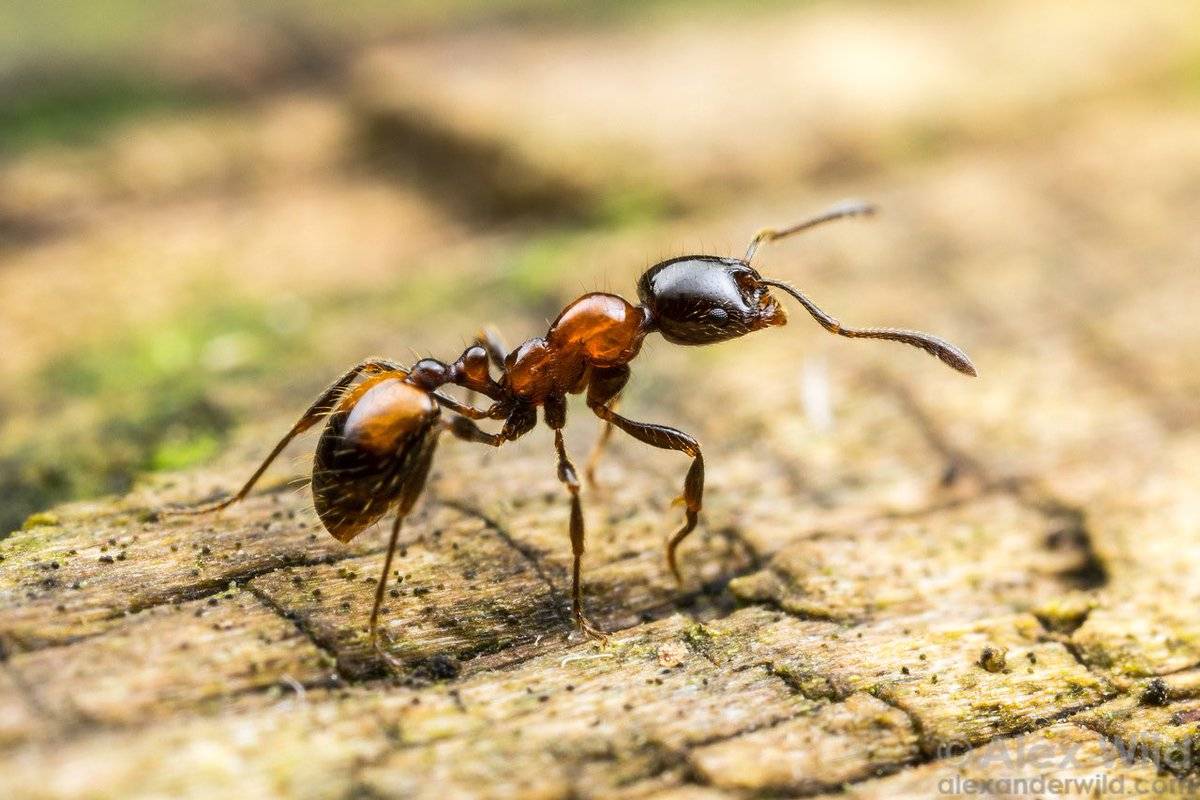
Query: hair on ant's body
[(380, 434)]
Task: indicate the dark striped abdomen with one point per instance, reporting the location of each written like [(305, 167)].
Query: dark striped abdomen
[(374, 454)]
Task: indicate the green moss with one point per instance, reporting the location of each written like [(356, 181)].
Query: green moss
[(700, 638), (76, 109), (536, 271), (41, 519), (1134, 667), (146, 401), (994, 659), (637, 206), (1067, 613), (184, 450), (213, 337), (810, 684)]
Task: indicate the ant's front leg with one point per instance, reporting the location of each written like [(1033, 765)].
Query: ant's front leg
[(589, 471), (605, 386), (604, 389), (556, 419), (317, 411), (464, 409)]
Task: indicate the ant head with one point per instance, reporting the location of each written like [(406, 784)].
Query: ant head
[(706, 299)]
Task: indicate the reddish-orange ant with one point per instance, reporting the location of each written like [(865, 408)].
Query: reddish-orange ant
[(380, 434)]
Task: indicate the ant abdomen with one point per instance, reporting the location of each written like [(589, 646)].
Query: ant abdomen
[(374, 453)]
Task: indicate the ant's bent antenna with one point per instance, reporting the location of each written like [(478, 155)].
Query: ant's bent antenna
[(943, 350), (846, 208)]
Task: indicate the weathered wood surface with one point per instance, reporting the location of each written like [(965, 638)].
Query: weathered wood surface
[(897, 569)]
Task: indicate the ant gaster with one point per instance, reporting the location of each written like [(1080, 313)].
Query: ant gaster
[(379, 438)]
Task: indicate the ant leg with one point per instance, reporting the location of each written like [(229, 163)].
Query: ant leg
[(600, 393), (468, 431), (589, 471), (465, 409), (413, 487), (320, 407), (847, 208), (566, 474), (604, 389), (556, 418), (383, 578), (490, 339)]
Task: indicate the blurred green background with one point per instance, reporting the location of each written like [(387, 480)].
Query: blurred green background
[(208, 209)]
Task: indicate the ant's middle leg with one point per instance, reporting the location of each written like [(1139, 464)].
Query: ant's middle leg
[(315, 413), (519, 422), (605, 386), (463, 409), (463, 428), (556, 419)]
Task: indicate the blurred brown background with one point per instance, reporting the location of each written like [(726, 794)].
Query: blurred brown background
[(207, 209)]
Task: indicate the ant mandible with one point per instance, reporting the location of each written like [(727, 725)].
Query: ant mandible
[(379, 438)]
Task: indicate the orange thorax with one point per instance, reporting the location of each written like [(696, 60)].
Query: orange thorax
[(597, 330)]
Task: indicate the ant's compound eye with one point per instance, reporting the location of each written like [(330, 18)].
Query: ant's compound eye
[(716, 316)]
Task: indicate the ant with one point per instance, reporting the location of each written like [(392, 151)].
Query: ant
[(380, 433)]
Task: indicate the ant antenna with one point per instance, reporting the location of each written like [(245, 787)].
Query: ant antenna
[(940, 348), (846, 208)]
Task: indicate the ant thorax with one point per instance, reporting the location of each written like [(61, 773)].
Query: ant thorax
[(597, 330)]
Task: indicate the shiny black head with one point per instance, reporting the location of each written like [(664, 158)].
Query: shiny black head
[(707, 299)]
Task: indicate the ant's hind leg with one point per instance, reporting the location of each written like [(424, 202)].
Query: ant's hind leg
[(413, 486), (383, 578), (556, 417), (320, 407)]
